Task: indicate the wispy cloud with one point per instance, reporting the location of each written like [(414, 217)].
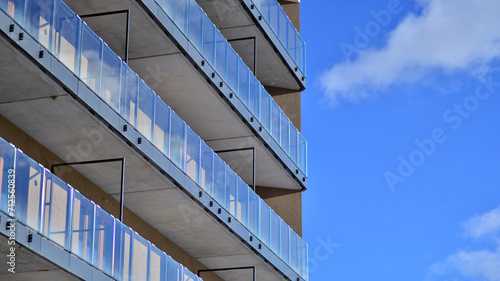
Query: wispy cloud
[(449, 36), (481, 264)]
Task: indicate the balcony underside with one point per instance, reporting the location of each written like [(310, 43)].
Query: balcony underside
[(234, 21), (61, 123), (173, 75)]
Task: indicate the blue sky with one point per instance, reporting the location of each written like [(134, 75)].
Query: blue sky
[(402, 120)]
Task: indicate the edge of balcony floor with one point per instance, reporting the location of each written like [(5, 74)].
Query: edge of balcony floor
[(56, 117), (171, 65), (237, 19)]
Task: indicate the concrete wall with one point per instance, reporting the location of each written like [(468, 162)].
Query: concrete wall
[(39, 153)]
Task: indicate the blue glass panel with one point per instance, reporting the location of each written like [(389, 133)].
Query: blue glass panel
[(15, 9), (242, 207), (231, 191), (284, 132), (294, 251), (157, 265), (302, 154), (195, 25), (207, 170), (293, 143), (111, 75), (285, 242), (29, 180), (7, 175), (82, 227), (265, 223), (265, 112), (291, 42), (243, 83), (67, 37), (181, 14), (162, 126), (232, 68), (219, 192), (91, 59), (56, 219), (254, 101), (209, 41), (103, 241), (253, 212), (192, 157), (123, 243), (189, 276), (177, 137), (167, 6), (303, 259), (39, 21), (275, 233), (174, 270), (275, 121), (274, 9), (265, 9), (140, 250), (128, 105), (145, 110), (282, 26), (221, 55)]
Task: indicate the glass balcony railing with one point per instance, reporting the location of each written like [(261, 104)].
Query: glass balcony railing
[(284, 30), (207, 39), (75, 45), (57, 211)]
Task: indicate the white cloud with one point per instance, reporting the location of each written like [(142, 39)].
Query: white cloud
[(449, 35), (486, 224), (483, 264)]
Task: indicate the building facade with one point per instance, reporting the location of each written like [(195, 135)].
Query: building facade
[(152, 140)]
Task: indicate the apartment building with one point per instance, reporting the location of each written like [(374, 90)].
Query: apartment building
[(151, 140)]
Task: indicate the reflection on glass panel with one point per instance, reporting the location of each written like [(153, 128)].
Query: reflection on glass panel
[(140, 248), (82, 227), (209, 41), (167, 6), (145, 110), (195, 25), (253, 212), (293, 143), (28, 187), (265, 8), (67, 37), (302, 154), (189, 276), (192, 155), (285, 242), (243, 83), (123, 236), (275, 233), (265, 223), (294, 250), (292, 36), (103, 246), (111, 75), (242, 207), (274, 9), (157, 265), (181, 14), (219, 193), (14, 8), (129, 95), (231, 191), (282, 26), (162, 126), (221, 55), (174, 270), (206, 172), (39, 20), (232, 66), (57, 197), (265, 113), (254, 103), (285, 142), (90, 65), (7, 158), (177, 130), (275, 121), (303, 258)]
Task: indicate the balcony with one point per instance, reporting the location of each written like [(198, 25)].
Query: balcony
[(191, 66), (57, 225), (281, 52), (79, 87)]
